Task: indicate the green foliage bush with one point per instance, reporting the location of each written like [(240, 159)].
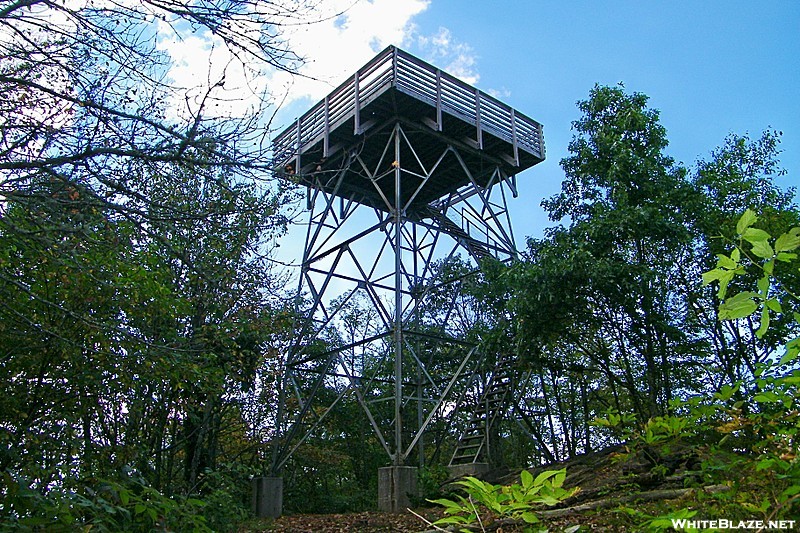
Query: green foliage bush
[(486, 502), (755, 422), (763, 414), (226, 495), (126, 504)]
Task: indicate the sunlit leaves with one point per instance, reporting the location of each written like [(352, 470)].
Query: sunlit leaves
[(764, 324), (738, 306), (759, 240), (764, 256), (727, 268), (516, 501), (792, 351), (788, 241), (747, 219)]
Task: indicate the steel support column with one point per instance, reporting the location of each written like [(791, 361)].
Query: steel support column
[(398, 303)]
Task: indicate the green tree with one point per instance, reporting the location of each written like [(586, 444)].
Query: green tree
[(136, 342), (739, 175), (139, 309), (608, 310), (627, 203)]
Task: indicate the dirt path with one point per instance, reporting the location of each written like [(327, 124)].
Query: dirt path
[(367, 522)]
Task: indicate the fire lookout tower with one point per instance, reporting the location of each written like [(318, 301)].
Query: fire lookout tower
[(406, 169)]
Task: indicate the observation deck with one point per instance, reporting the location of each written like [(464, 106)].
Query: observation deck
[(452, 133)]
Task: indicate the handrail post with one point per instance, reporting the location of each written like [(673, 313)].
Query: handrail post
[(541, 140), (438, 100), (394, 67), (325, 138), (478, 119), (297, 148), (357, 111), (514, 137)]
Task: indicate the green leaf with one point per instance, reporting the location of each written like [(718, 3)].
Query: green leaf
[(450, 504), (451, 520), (787, 242), (763, 249), (726, 392), (527, 479), (529, 518), (774, 305), (767, 397), (475, 484), (747, 219), (549, 500), (738, 306), (786, 257), (754, 235), (763, 286), (558, 480), (792, 351), (724, 277), (713, 275), (764, 323), (723, 261), (791, 491), (451, 507), (544, 476)]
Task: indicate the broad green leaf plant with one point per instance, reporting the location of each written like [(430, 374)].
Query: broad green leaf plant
[(765, 409), (485, 502), (755, 251), (774, 407)]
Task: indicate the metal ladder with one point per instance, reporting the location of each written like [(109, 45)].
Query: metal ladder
[(490, 408), (477, 249)]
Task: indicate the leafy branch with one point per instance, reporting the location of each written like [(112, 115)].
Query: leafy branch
[(761, 256), (517, 502)]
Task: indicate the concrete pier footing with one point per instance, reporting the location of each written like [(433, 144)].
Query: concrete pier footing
[(267, 496), (470, 469), (396, 486)]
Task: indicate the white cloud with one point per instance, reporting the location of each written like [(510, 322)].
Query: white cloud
[(500, 94), (203, 68), (452, 56), (345, 35), (335, 47)]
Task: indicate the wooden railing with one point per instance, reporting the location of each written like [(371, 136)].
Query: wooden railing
[(422, 81)]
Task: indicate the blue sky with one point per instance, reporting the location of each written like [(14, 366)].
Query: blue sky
[(710, 67)]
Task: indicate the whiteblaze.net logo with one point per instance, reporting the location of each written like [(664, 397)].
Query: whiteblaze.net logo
[(722, 523)]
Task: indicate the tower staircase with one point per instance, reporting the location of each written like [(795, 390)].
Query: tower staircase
[(476, 248), (473, 445)]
